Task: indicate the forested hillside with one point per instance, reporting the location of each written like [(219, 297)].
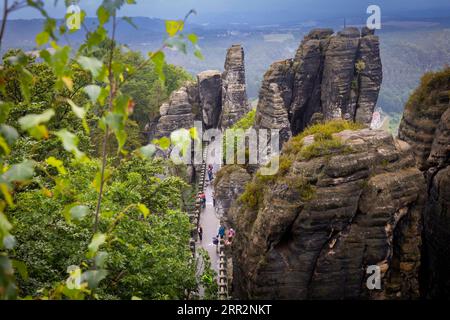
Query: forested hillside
[(85, 210), (406, 56)]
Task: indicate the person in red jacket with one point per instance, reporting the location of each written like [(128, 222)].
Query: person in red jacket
[(202, 198)]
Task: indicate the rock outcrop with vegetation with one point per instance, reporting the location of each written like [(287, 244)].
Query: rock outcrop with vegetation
[(344, 198), (426, 127)]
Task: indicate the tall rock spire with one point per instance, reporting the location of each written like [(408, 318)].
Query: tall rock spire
[(234, 89)]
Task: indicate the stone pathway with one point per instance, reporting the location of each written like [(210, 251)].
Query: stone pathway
[(210, 224), (209, 219)]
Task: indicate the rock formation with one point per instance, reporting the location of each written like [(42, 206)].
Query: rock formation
[(336, 75), (339, 203), (308, 64), (369, 76), (176, 114), (274, 99), (338, 94), (422, 116), (318, 225), (311, 231), (426, 127), (210, 91), (228, 186), (217, 99), (234, 92), (333, 75)]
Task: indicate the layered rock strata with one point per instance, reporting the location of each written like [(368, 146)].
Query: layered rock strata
[(177, 113), (364, 209), (234, 90), (210, 96), (217, 99), (426, 127), (337, 75)]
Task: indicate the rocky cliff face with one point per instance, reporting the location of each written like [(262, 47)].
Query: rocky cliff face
[(333, 210), (275, 98), (336, 75), (341, 204), (228, 186), (217, 99), (177, 113), (210, 91), (234, 91), (332, 76), (426, 127)]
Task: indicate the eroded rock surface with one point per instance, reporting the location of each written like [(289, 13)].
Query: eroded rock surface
[(426, 127), (229, 185), (216, 99), (337, 75), (176, 114), (338, 95), (421, 118), (365, 209), (275, 98), (234, 89), (210, 96)]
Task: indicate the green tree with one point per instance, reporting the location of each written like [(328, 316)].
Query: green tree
[(108, 227)]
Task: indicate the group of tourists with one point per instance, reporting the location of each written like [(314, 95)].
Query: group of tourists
[(222, 233), (202, 197)]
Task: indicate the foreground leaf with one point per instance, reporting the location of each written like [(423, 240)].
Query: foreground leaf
[(21, 172), (91, 64), (174, 26), (97, 240), (33, 123), (70, 143)]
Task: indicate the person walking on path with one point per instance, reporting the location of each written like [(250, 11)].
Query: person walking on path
[(210, 172), (200, 233), (230, 235), (214, 199), (216, 243), (202, 198), (221, 232)]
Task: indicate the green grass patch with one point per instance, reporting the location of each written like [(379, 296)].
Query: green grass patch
[(253, 194), (321, 148), (247, 121), (324, 144), (426, 94), (302, 186)]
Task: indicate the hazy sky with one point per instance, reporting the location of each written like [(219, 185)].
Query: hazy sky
[(265, 10)]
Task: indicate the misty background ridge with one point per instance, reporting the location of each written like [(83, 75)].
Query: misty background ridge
[(415, 35), (259, 11)]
